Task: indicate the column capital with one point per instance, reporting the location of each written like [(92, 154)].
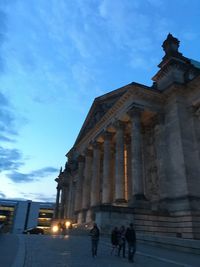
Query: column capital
[(135, 111), (96, 145), (88, 152), (119, 124), (107, 135)]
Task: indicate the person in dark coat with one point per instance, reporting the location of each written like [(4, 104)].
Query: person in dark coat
[(114, 239), (94, 233), (122, 241), (131, 240)]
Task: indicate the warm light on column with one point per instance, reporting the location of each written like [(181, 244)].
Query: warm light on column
[(125, 175)]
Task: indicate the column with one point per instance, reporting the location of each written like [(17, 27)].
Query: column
[(57, 202), (66, 202), (107, 171), (128, 170), (62, 202), (136, 153), (161, 159), (95, 182), (79, 188), (71, 199), (119, 163), (87, 179)]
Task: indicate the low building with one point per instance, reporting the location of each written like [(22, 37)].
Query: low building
[(17, 216), (137, 156)]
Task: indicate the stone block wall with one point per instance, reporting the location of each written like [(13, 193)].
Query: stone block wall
[(177, 224)]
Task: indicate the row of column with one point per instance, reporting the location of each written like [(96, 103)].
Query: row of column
[(65, 195), (89, 180)]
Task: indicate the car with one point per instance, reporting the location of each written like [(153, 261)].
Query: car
[(34, 231)]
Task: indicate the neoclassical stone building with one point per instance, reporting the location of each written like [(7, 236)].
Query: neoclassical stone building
[(137, 156)]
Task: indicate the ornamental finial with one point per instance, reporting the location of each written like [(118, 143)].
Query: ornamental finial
[(171, 45)]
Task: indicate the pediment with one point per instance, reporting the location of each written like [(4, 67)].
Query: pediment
[(98, 109)]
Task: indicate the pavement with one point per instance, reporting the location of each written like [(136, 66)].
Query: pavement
[(75, 251)]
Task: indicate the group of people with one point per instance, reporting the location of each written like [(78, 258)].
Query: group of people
[(119, 238)]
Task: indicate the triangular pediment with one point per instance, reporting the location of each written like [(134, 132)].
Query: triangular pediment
[(99, 108)]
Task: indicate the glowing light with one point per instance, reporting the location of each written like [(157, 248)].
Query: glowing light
[(68, 223), (55, 229)]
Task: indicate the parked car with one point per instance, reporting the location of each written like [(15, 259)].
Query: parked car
[(34, 231)]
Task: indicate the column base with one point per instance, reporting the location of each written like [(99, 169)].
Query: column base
[(120, 201), (80, 218)]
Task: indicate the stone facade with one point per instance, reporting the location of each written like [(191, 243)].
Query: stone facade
[(137, 156)]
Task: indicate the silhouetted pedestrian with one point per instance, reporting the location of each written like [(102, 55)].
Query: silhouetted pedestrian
[(131, 239), (114, 239), (94, 233), (122, 241)]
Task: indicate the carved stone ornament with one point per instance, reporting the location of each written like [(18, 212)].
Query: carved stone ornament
[(119, 124), (135, 111), (96, 145)]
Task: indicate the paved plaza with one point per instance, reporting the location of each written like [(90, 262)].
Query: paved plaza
[(74, 251)]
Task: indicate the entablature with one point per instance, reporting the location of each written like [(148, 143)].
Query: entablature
[(147, 99)]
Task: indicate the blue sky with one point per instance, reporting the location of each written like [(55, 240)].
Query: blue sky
[(56, 56)]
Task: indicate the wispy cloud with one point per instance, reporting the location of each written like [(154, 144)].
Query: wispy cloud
[(7, 120), (10, 159), (2, 35), (38, 197), (2, 195), (36, 175)]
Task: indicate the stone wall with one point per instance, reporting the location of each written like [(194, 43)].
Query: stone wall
[(183, 224), (150, 164)]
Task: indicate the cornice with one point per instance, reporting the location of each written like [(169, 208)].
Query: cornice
[(123, 104), (170, 65)]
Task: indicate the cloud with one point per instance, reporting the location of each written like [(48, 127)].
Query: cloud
[(2, 35), (39, 197), (2, 195), (3, 100), (10, 159), (7, 120), (36, 175)]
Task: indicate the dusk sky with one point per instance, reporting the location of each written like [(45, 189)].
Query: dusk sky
[(56, 56)]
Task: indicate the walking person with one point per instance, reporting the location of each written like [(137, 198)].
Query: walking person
[(122, 241), (114, 239), (131, 240), (94, 233)]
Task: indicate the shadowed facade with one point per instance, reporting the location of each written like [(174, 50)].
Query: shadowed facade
[(137, 156)]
